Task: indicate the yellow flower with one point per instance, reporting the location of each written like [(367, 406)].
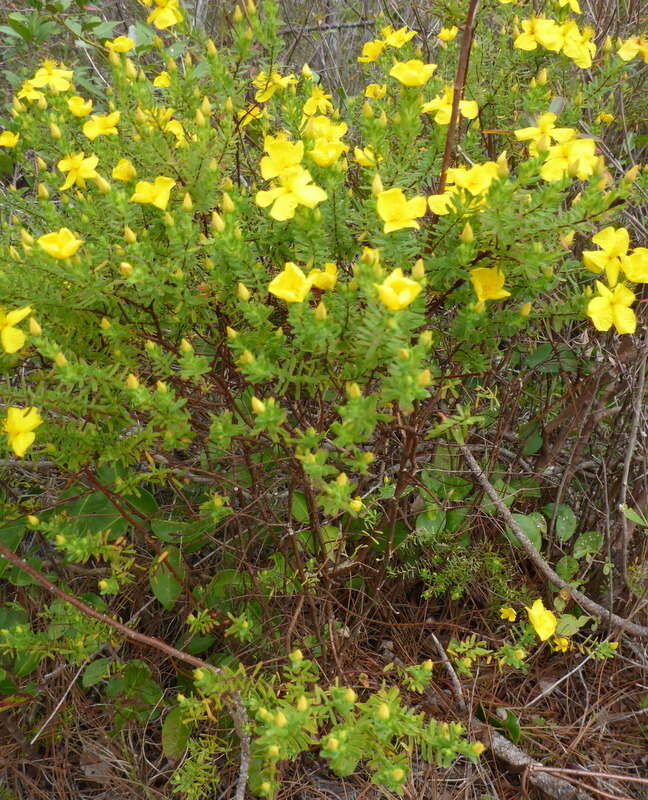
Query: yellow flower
[(371, 51), (250, 114), (29, 92), (614, 242), (538, 30), (604, 118), (122, 44), (290, 285), (508, 613), (613, 308), (635, 45), (442, 105), (19, 427), (488, 284), (397, 38), (12, 338), (441, 204), (101, 125), (78, 106), (635, 265), (575, 157), (448, 34), (321, 127), (413, 72), (156, 193), (165, 15), (55, 77), (396, 291), (267, 85), (325, 153), (577, 44), (376, 91), (124, 170), (573, 4), (60, 244), (366, 156), (295, 188), (543, 621), (324, 279), (163, 80), (9, 139), (397, 212), (79, 168), (560, 644), (318, 101), (281, 155), (544, 132)]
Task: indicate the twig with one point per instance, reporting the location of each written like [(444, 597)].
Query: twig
[(542, 566), (456, 684), (590, 774), (59, 704), (557, 683)]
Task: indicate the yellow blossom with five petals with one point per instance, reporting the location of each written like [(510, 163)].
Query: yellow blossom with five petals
[(9, 139), (124, 170), (11, 337), (488, 283), (19, 426), (79, 168), (397, 212), (60, 244), (79, 107), (544, 622), (290, 284), (101, 125), (413, 72), (155, 193), (396, 291), (613, 308)]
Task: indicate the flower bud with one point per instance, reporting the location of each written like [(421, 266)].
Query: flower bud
[(418, 270), (332, 743), (162, 389), (320, 312), (356, 504), (376, 185), (129, 235), (218, 224), (231, 333), (229, 105), (187, 202), (307, 72), (296, 656), (211, 48), (42, 192), (60, 360), (525, 309), (367, 110), (353, 390), (467, 235), (227, 203), (246, 357), (102, 184), (34, 328), (273, 750), (32, 520), (132, 381), (383, 712), (280, 719), (205, 106), (302, 704), (185, 346), (126, 269), (105, 324), (55, 131), (130, 69), (168, 219), (342, 479), (424, 378), (541, 77), (199, 117)]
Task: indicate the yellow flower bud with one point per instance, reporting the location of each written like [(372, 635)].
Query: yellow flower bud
[(428, 665), (403, 353), (280, 719), (424, 378), (171, 65), (302, 704), (525, 309), (60, 360), (231, 333), (59, 539), (273, 750), (187, 202), (185, 346), (332, 743), (129, 235), (342, 479), (356, 504), (398, 774), (227, 184), (101, 184), (126, 269), (32, 520), (218, 224), (199, 118), (55, 131), (227, 203), (211, 48), (296, 656), (130, 69), (376, 185), (34, 328), (382, 119), (105, 324), (607, 44), (418, 270), (541, 77), (162, 389), (205, 106), (258, 406), (307, 72), (320, 311), (168, 220), (632, 173), (251, 7), (367, 110), (467, 234), (41, 103), (478, 748), (132, 381), (229, 105), (383, 712), (102, 584), (246, 357), (353, 390), (238, 14), (42, 191), (426, 338), (26, 237), (350, 696)]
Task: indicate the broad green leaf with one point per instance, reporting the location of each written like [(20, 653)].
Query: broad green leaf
[(588, 543), (564, 520), (633, 516), (430, 524), (175, 734), (568, 624), (95, 672), (512, 727), (533, 525), (164, 583), (567, 567), (299, 507)]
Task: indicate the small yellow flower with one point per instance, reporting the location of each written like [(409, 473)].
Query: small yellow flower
[(9, 139), (155, 193), (614, 243), (12, 338), (560, 644), (448, 34), (397, 212), (442, 107), (54, 77), (60, 244), (604, 118), (544, 622), (163, 80), (371, 51), (19, 426), (396, 291), (79, 168), (635, 265), (267, 85), (324, 279), (318, 102), (375, 91), (396, 38), (488, 284), (122, 44), (290, 284), (508, 613), (366, 157), (124, 170), (413, 72), (79, 107), (101, 125), (613, 308), (325, 153), (165, 15), (634, 46), (295, 187)]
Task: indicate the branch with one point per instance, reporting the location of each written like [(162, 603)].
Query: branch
[(582, 599)]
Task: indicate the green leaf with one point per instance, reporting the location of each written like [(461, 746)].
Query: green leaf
[(633, 516), (95, 672), (564, 519), (567, 567), (11, 536), (299, 507), (568, 624), (175, 734), (512, 727), (430, 524), (533, 525), (164, 583), (588, 543)]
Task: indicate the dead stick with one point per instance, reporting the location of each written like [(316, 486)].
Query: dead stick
[(582, 599)]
